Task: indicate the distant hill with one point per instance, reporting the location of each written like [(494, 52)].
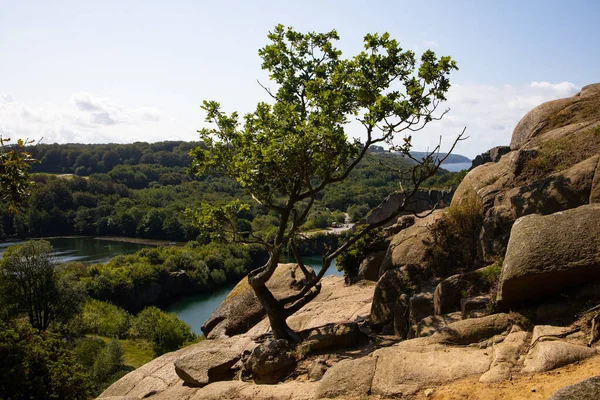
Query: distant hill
[(452, 158)]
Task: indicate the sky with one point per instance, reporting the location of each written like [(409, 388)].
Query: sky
[(125, 71)]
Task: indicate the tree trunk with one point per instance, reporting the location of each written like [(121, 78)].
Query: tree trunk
[(275, 312)]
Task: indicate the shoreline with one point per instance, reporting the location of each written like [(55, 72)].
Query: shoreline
[(123, 239)]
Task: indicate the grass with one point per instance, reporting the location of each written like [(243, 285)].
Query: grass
[(555, 155), (137, 352)]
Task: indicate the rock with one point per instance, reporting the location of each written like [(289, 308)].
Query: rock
[(270, 361), (584, 106), (333, 336), (336, 303), (409, 246), (349, 378), (241, 309), (210, 360), (317, 369), (423, 200), (588, 389), (555, 311), (473, 307), (474, 330), (548, 254), (390, 287), (153, 377), (548, 355), (404, 369), (421, 306), (506, 357), (238, 390), (492, 155), (401, 318), (369, 267), (404, 221), (450, 291), (429, 325)]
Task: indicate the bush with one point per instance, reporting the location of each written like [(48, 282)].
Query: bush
[(105, 319), (165, 330), (349, 261), (456, 238)]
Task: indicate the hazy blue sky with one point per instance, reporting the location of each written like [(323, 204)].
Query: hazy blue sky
[(121, 71)]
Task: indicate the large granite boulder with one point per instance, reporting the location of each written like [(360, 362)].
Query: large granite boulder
[(270, 361), (548, 254), (211, 360), (449, 292), (369, 267), (588, 389), (410, 245), (241, 309), (584, 106), (387, 297)]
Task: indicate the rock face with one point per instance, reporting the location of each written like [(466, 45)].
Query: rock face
[(270, 360), (210, 361), (241, 310), (409, 246), (422, 201), (584, 106), (449, 292), (387, 298), (369, 267), (547, 254), (588, 389), (552, 167)]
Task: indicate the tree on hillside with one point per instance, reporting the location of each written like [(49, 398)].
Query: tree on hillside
[(15, 180), (286, 153), (31, 284)]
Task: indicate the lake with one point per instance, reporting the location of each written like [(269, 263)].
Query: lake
[(455, 167), (195, 310), (86, 250)]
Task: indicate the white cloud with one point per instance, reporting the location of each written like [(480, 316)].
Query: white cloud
[(490, 114), (87, 119)]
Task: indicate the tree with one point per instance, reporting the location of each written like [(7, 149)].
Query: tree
[(30, 283), (15, 180), (286, 153)]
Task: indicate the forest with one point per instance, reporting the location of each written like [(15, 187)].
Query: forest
[(143, 190)]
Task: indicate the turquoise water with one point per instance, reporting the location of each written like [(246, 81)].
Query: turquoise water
[(195, 310), (86, 250)]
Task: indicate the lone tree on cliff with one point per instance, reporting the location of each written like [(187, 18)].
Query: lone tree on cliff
[(286, 153)]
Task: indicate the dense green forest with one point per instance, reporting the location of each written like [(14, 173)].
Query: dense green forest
[(142, 190)]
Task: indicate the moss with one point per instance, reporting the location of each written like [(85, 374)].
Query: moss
[(555, 155)]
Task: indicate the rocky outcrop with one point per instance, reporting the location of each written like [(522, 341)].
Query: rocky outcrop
[(210, 361), (449, 292), (422, 201), (388, 299), (588, 389), (270, 361), (241, 309), (492, 155), (549, 116), (409, 246), (369, 267), (547, 254)]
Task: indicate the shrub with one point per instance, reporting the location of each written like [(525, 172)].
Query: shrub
[(456, 237), (105, 319), (349, 261), (165, 330)]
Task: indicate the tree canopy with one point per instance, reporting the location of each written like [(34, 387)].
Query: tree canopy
[(15, 180), (288, 151)]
